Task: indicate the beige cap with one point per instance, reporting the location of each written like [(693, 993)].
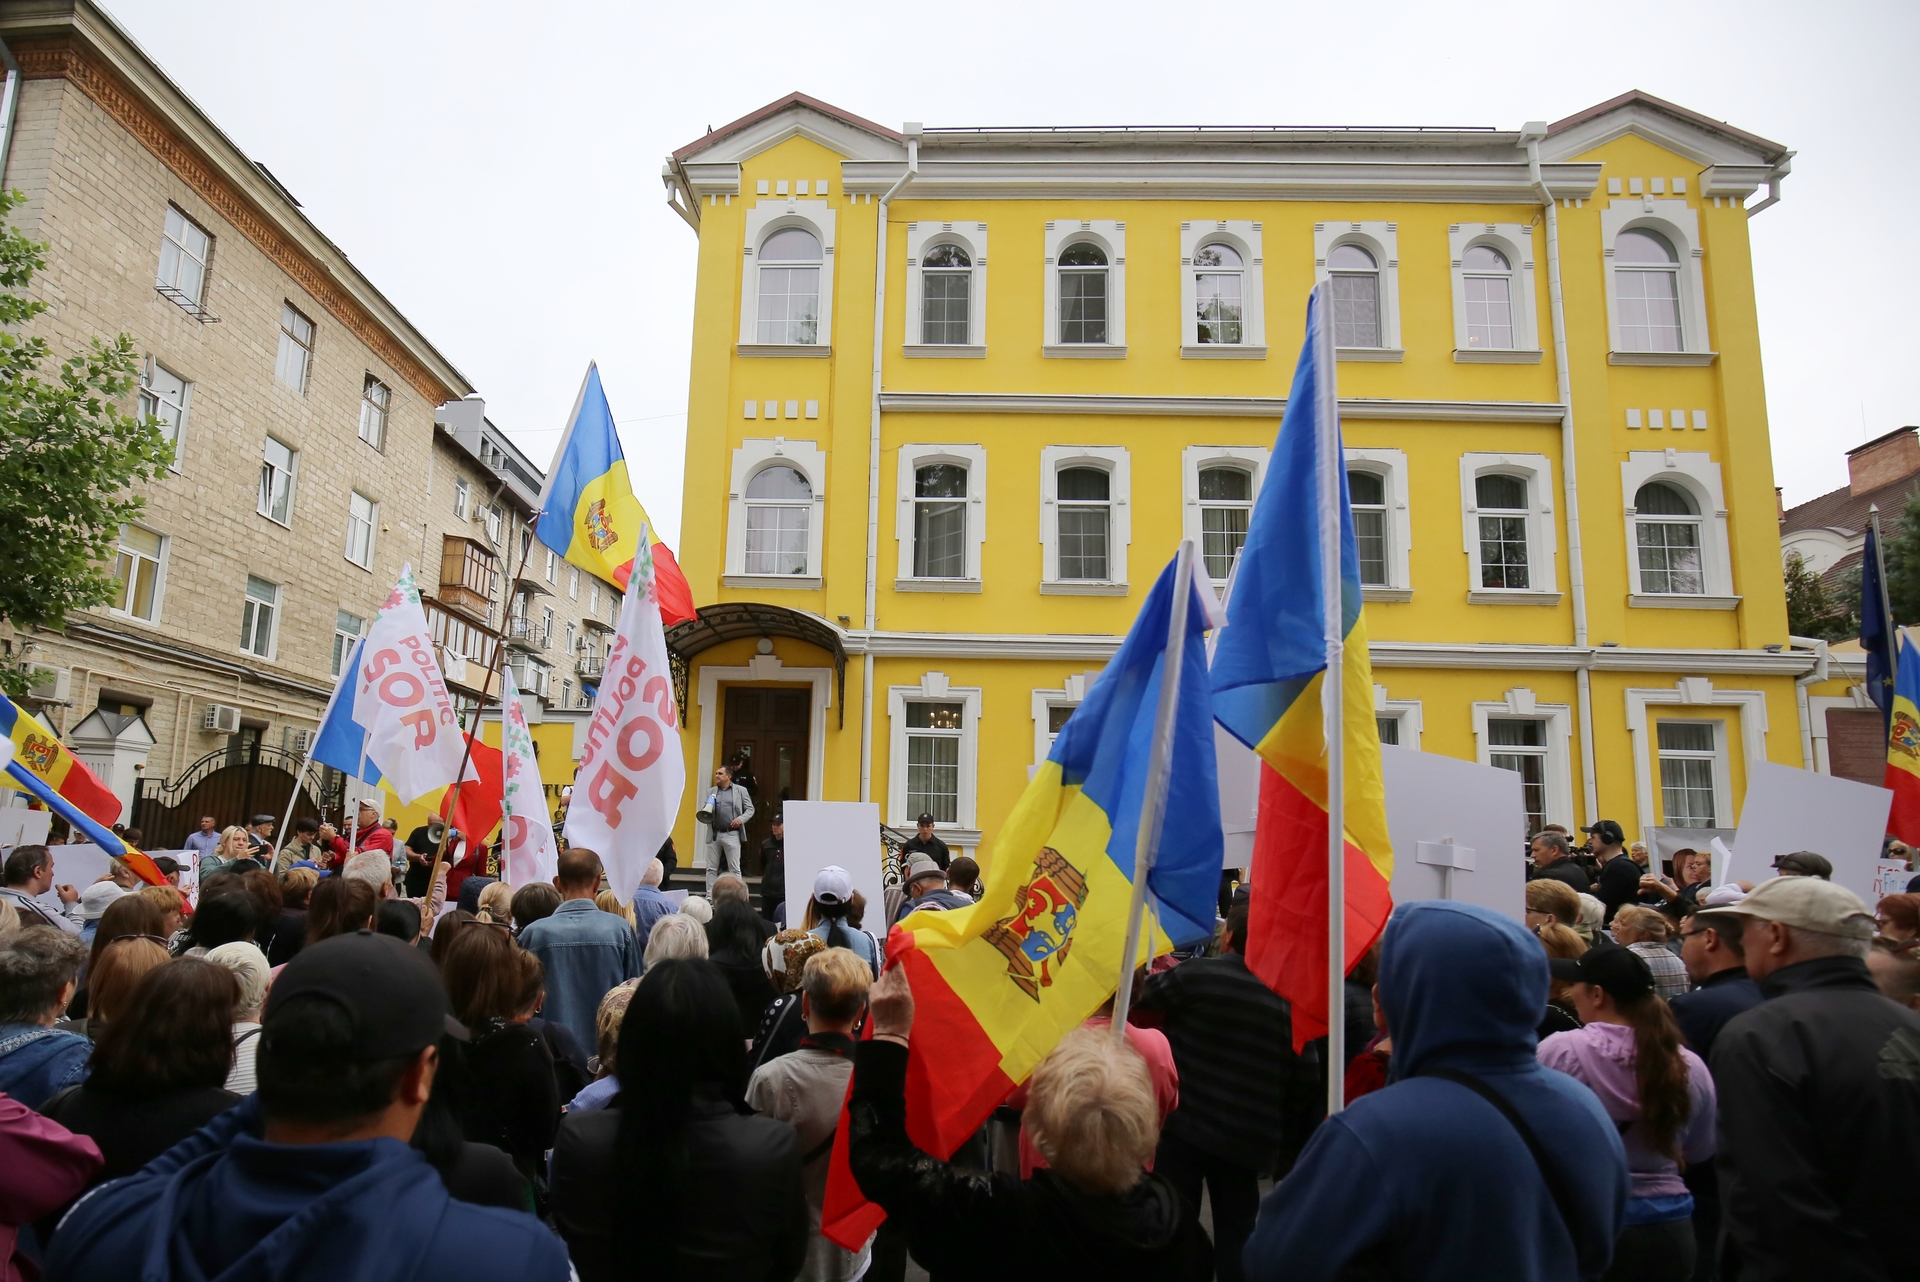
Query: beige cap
[(1807, 903)]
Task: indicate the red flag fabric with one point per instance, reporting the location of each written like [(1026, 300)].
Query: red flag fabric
[(477, 813), (670, 588)]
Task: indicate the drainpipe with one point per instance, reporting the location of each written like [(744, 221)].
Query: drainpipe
[(1530, 135), (1816, 672), (9, 104), (912, 132), (1778, 172)]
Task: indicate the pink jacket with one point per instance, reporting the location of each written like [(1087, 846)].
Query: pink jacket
[(1601, 1056), (43, 1166), (1153, 1047)]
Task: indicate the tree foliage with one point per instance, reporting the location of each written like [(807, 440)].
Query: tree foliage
[(1815, 611), (68, 455), (1903, 561)]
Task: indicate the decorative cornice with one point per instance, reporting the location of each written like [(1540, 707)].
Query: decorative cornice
[(81, 67), (1250, 176), (1213, 406)]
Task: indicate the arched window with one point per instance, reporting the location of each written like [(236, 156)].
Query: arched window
[(940, 521), (1488, 278), (1217, 294), (1367, 492), (1356, 296), (1226, 500), (1503, 512), (946, 294), (1646, 278), (1667, 532), (790, 287), (779, 505), (1085, 513), (1083, 294)]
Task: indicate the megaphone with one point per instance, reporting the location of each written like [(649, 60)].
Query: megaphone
[(436, 830), (705, 813)]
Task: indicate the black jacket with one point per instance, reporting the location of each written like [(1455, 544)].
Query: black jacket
[(132, 1130), (1565, 870), (1618, 883), (933, 848), (508, 1096), (773, 876), (1703, 1012), (962, 1225), (739, 1211), (1819, 1120)]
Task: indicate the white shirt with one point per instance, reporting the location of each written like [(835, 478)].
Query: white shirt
[(246, 1045)]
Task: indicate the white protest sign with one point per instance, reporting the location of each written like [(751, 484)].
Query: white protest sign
[(842, 833), (1238, 767), (1789, 809), (1458, 830), (401, 700), (1890, 877), (20, 826)]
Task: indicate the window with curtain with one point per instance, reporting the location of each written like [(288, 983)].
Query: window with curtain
[(1389, 728), (276, 482), (164, 395), (375, 399), (1083, 294), (361, 518), (789, 266), (1646, 287), (346, 630), (1226, 501), (933, 759), (1367, 492), (940, 522), (1687, 762), (1355, 278), (1502, 501), (1218, 271), (1666, 527), (779, 505), (137, 567), (946, 288), (296, 349), (257, 614), (1488, 278), (184, 250), (1084, 511), (1521, 746)]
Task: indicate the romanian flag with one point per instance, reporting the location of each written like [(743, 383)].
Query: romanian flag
[(1269, 667), (1903, 746), (588, 512), (34, 761), (997, 985)]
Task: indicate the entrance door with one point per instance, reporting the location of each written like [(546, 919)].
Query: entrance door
[(767, 728)]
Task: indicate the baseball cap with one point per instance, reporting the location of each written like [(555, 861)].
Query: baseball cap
[(1809, 903), (921, 865), (167, 864), (1804, 863), (391, 993), (1609, 832), (832, 885), (925, 818), (97, 898), (1622, 972)]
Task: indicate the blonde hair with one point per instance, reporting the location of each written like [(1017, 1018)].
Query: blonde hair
[(606, 1025), (226, 838), (836, 982), (1548, 895), (1091, 1112), (165, 898), (122, 965), (608, 902), (496, 903), (9, 918), (675, 935), (1560, 941), (250, 972), (1645, 924)]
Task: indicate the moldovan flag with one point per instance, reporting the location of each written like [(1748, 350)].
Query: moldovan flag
[(627, 788), (1269, 665), (1903, 746), (529, 855), (34, 761), (588, 512), (401, 700), (997, 985)]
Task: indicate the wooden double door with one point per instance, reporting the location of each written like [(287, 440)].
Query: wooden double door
[(767, 730)]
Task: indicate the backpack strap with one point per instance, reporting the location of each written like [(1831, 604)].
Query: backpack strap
[(822, 1148), (1550, 1172)]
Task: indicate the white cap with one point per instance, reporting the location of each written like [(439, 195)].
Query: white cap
[(97, 898), (1723, 896), (833, 885)]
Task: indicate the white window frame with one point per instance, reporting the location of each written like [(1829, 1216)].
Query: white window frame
[(573, 582), (372, 522), (553, 567), (1717, 756), (249, 622), (1514, 241), (1382, 240), (762, 221), (1390, 466), (1519, 704), (912, 459), (1110, 236), (1113, 460), (153, 400), (263, 503), (306, 349), (343, 640), (1696, 692), (934, 688), (195, 298), (159, 574), (1695, 472), (496, 524), (753, 454), (462, 499), (375, 412), (1406, 713), (1542, 538), (1679, 223), (1196, 459), (1071, 694), (593, 591), (971, 237), (1244, 237)]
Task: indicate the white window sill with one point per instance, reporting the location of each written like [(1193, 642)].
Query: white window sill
[(1390, 355), (952, 834), (1385, 594), (821, 350), (1222, 352), (1496, 356), (1081, 587), (1510, 596), (1681, 601), (1661, 358), (936, 585), (285, 525), (1086, 351), (952, 351), (791, 582)]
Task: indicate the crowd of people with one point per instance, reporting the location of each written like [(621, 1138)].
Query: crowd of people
[(326, 1063)]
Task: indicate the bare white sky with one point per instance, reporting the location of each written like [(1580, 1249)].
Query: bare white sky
[(494, 168)]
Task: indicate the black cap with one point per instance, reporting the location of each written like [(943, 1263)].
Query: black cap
[(167, 864), (1609, 832), (1621, 971), (1804, 863), (925, 818), (390, 992)]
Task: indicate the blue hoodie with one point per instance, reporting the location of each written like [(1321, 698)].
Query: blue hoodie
[(1424, 1180), (226, 1205)]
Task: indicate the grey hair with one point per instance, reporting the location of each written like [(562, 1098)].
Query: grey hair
[(675, 935), (370, 868), (655, 872), (1819, 943), (1556, 842), (729, 888), (35, 965), (250, 971)]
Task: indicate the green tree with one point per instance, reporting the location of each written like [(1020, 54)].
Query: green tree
[(68, 455), (1812, 610), (1903, 561)]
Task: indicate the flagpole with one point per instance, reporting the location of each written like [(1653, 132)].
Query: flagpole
[(353, 825), (1153, 801), (1332, 699), (1886, 596), (306, 763)]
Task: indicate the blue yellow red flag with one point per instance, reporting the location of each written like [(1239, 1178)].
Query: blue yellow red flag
[(33, 760), (1903, 746)]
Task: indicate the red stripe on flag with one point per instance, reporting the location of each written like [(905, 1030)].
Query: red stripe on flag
[(670, 588), (83, 788), (1287, 916), (1903, 821)]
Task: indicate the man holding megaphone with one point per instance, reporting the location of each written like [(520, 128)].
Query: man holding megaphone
[(727, 809)]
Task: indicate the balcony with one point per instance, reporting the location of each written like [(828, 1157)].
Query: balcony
[(591, 666), (469, 576), (527, 634)]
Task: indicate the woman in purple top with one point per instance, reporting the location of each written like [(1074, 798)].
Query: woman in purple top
[(1656, 1091)]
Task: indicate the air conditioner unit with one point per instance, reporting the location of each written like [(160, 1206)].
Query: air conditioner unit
[(222, 718), (54, 686), (297, 740)]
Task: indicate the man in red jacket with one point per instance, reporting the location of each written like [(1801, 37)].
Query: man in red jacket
[(373, 835)]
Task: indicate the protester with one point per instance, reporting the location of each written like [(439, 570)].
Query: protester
[(1553, 857), (129, 917), (495, 901), (675, 935), (963, 877), (1425, 1181), (773, 873), (265, 888), (531, 903), (608, 902), (605, 1086), (1592, 924), (1804, 863), (584, 950), (650, 904), (204, 841), (113, 979), (250, 974), (234, 846), (1896, 970), (305, 846), (1898, 917), (1711, 950), (1091, 1110), (1656, 1091), (171, 903), (290, 928), (370, 833), (400, 919), (1367, 1072), (1619, 881), (1154, 1050), (1247, 1100), (29, 874), (472, 1172), (448, 929), (1692, 877), (474, 889), (1559, 941), (731, 807), (926, 887), (312, 1178), (43, 1167), (227, 913), (782, 1026), (116, 884), (339, 907), (37, 969), (1551, 900), (668, 1171), (698, 907), (1819, 1116), (1645, 931), (734, 942), (923, 842), (828, 913), (494, 989)]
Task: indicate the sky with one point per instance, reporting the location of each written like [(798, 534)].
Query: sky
[(494, 168)]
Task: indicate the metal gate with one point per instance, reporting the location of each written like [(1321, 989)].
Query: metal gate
[(233, 785)]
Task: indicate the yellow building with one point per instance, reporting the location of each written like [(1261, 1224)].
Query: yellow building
[(927, 502)]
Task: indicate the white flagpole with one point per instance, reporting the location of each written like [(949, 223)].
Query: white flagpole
[(1332, 698), (1153, 802), (306, 763), (353, 825)]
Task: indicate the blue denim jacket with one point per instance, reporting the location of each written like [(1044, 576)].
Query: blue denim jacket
[(586, 952)]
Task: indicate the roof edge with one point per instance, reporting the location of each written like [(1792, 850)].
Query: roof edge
[(794, 99), (1776, 152)]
